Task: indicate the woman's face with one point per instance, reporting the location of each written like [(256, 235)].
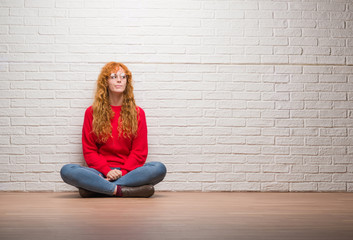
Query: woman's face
[(117, 81)]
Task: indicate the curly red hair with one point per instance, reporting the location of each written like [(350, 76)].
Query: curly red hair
[(103, 113)]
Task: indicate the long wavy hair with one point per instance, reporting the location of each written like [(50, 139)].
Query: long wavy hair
[(103, 113)]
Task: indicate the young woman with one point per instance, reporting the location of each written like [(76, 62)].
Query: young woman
[(114, 142)]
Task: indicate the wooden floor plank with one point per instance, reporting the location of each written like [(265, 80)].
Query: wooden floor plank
[(178, 215)]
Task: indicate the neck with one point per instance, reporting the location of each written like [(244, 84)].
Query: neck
[(116, 99)]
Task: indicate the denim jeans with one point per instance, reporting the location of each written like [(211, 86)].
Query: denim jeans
[(92, 180)]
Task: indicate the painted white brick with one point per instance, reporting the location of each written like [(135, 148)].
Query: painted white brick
[(304, 114), (207, 187), (289, 177), (201, 177), (303, 6), (24, 159), (39, 186), (12, 186), (318, 123), (256, 140), (246, 186), (318, 105), (300, 41), (305, 169), (231, 177), (244, 168), (332, 187), (290, 141), (318, 141), (289, 123), (245, 132), (333, 132), (304, 150), (260, 88), (288, 160), (275, 132), (303, 187), (321, 160), (343, 159), (324, 151), (260, 177), (275, 168), (259, 123), (260, 159), (231, 140), (275, 187), (333, 169), (278, 150), (279, 39), (246, 149), (179, 186)]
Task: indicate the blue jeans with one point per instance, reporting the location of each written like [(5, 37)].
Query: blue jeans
[(92, 180)]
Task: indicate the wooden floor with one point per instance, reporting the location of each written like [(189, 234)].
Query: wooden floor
[(178, 215)]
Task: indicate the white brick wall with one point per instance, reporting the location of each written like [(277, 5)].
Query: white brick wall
[(239, 95)]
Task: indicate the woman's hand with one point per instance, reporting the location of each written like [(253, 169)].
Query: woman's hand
[(114, 175)]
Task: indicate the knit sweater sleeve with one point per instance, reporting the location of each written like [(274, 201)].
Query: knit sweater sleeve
[(89, 146), (139, 150)]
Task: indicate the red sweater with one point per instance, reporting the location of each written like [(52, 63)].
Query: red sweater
[(127, 154)]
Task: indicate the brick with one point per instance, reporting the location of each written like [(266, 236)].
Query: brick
[(318, 160), (216, 187), (246, 149), (333, 132), (275, 150), (302, 6), (318, 141), (300, 41), (306, 60), (273, 6), (275, 187), (260, 177), (333, 169), (275, 168), (247, 186), (288, 159), (304, 169), (40, 187), (290, 141), (304, 150), (304, 114), (260, 159), (303, 187), (230, 177), (324, 151), (332, 187), (12, 186), (289, 177)]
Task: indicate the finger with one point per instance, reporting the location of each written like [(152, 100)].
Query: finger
[(114, 177)]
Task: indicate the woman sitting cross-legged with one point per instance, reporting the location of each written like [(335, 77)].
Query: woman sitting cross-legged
[(114, 142)]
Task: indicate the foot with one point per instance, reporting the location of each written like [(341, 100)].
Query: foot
[(141, 191), (89, 194)]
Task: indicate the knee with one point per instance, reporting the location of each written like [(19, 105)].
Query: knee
[(66, 170), (160, 169)]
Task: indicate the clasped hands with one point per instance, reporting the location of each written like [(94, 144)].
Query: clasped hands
[(114, 174)]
